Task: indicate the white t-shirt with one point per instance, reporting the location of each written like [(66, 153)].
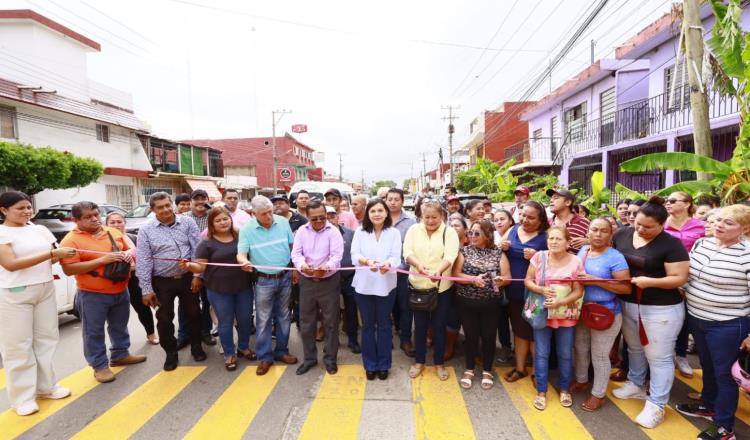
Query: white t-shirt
[(25, 241)]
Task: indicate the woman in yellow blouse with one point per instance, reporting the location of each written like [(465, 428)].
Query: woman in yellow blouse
[(430, 247)]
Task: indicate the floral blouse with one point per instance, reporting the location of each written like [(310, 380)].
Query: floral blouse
[(479, 261)]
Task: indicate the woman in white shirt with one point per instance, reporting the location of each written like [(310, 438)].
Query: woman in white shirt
[(376, 245), (28, 311)]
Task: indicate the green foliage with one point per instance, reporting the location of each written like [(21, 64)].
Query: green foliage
[(539, 184), (627, 193), (382, 184), (599, 196), (31, 170)]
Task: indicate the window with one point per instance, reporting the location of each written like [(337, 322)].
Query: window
[(537, 134), (575, 119), (554, 135), (607, 104), (676, 89), (120, 195), (8, 122), (102, 132)]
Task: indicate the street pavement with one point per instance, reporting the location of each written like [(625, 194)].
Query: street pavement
[(201, 400)]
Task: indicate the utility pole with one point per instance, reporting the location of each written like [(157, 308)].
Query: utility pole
[(424, 171), (593, 43), (692, 31), (451, 130), (341, 167), (281, 114)]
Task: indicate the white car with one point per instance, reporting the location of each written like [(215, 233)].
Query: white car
[(65, 291)]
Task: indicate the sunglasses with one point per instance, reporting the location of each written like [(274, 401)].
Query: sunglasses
[(317, 219), (474, 234)]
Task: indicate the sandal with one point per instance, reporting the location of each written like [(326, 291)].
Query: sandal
[(592, 403), (466, 381), (153, 339), (487, 380), (540, 402), (442, 373), (566, 399), (230, 363), (415, 370), (249, 355), (514, 375)]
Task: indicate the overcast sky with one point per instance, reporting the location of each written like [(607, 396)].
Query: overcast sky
[(368, 78)]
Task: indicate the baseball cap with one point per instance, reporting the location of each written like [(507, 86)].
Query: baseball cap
[(451, 199), (564, 193), (333, 191), (522, 189), (330, 210), (279, 198), (198, 193)]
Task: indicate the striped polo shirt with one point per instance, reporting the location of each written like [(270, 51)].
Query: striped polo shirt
[(719, 285), (577, 226)]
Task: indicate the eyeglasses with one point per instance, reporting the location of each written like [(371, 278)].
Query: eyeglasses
[(632, 213), (474, 234), (675, 201), (317, 219)]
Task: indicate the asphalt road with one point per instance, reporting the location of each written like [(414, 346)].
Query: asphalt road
[(202, 400)]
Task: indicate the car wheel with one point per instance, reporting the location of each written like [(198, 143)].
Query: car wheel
[(74, 311)]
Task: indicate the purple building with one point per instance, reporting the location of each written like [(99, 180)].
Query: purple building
[(618, 109)]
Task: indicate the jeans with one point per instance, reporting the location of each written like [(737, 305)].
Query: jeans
[(438, 319), (96, 310), (662, 324), (479, 319), (406, 315), (350, 308), (564, 337), (503, 327), (593, 347), (376, 330), (272, 296), (681, 346), (720, 392), (453, 322), (231, 307)]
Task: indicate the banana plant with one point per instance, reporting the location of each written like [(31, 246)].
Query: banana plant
[(599, 196)]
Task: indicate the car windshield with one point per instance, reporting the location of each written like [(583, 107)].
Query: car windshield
[(140, 211), (51, 214)]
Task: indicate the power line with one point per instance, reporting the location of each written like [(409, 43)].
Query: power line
[(133, 31)]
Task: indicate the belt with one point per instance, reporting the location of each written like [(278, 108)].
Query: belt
[(175, 277), (271, 275)]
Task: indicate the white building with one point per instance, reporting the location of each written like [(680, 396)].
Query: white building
[(47, 99)]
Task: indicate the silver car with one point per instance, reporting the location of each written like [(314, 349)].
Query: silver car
[(59, 218)]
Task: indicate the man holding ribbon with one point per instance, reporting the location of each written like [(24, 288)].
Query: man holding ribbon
[(317, 252)]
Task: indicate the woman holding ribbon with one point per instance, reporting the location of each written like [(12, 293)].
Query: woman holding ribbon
[(551, 273), (430, 248), (228, 285)]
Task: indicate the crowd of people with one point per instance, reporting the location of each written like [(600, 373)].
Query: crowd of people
[(552, 286)]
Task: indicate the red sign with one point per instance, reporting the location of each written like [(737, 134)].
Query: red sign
[(299, 128), (315, 174), (286, 174)]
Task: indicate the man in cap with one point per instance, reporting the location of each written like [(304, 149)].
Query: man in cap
[(561, 205), (281, 207), (522, 196), (453, 205), (346, 218)]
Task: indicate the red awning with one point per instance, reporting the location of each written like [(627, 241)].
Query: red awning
[(207, 185)]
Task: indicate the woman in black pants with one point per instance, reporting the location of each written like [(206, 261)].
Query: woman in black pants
[(486, 270), (117, 221)]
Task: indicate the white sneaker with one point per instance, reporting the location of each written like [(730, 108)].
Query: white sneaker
[(651, 416), (629, 390), (27, 408), (57, 392), (683, 365)]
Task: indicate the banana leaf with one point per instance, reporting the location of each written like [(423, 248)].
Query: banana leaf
[(693, 187), (676, 161), (629, 193)]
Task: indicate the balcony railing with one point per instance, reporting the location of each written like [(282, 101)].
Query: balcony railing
[(638, 120), (518, 151), (543, 149)]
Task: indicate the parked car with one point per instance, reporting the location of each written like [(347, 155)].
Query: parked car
[(409, 203), (136, 218), (59, 218), (65, 291), (317, 190)]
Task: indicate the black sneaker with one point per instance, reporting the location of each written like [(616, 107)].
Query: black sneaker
[(171, 362), (716, 433), (695, 410), (198, 354)]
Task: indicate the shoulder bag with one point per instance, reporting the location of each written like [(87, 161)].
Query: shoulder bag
[(425, 300), (119, 270), (533, 308), (593, 315)]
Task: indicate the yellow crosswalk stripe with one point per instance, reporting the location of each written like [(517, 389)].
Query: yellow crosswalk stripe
[(2, 378), (439, 407), (337, 407), (673, 427), (79, 383), (229, 417), (554, 422), (131, 413), (696, 383)]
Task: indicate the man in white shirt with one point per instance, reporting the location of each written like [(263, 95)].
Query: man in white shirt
[(231, 201)]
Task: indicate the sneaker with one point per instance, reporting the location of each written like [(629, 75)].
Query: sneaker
[(716, 433), (504, 355), (104, 375), (27, 408), (695, 410), (629, 390), (57, 393), (651, 416), (682, 364)]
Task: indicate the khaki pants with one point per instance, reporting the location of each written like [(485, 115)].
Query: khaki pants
[(28, 340)]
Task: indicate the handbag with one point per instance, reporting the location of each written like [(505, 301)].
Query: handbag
[(533, 308), (425, 300), (119, 270), (596, 316)]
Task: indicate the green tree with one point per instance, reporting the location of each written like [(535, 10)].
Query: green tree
[(381, 184), (31, 170), (730, 62)]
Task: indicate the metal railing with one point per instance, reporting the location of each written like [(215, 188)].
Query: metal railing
[(543, 149), (518, 151)]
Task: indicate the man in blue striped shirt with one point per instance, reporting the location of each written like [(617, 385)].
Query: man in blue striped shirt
[(169, 236)]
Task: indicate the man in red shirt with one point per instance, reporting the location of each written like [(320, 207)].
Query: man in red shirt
[(561, 204), (100, 300)]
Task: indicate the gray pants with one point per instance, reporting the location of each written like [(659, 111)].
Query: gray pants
[(323, 295), (593, 346)]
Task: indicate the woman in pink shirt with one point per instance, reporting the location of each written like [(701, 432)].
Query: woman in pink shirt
[(682, 225)]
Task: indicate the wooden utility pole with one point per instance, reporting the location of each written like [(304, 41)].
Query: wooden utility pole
[(692, 31), (451, 130)]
